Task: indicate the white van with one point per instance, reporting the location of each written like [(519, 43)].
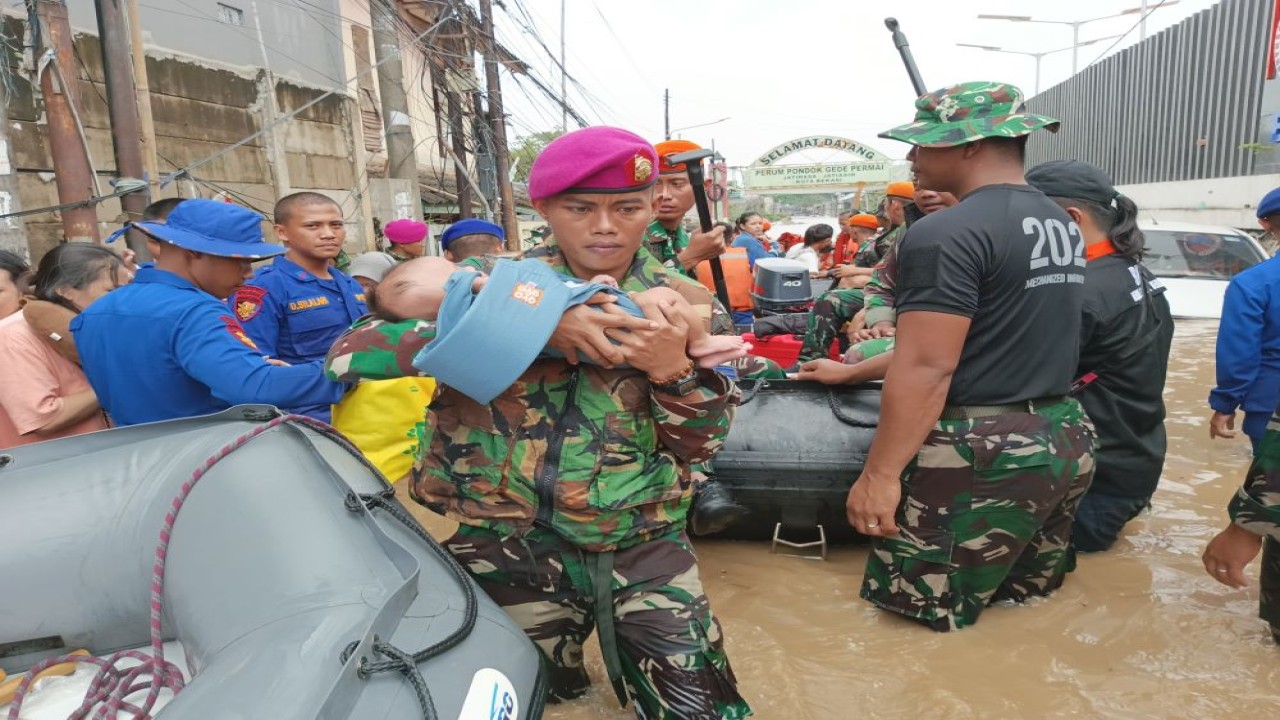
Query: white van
[(1195, 263)]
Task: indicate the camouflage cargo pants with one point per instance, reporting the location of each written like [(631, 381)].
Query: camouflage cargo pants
[(831, 311), (673, 662), (1255, 509), (1269, 585), (986, 515)]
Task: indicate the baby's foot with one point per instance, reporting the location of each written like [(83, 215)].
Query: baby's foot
[(714, 350)]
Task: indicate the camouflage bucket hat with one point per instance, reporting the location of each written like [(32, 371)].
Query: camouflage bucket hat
[(967, 112)]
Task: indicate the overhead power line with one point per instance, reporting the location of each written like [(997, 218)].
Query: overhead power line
[(1126, 34)]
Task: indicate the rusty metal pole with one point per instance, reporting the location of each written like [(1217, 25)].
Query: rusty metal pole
[(498, 121), (143, 89), (454, 109), (122, 106), (70, 160)]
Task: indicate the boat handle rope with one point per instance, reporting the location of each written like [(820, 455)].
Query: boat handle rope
[(750, 388), (112, 684), (842, 417), (399, 660)]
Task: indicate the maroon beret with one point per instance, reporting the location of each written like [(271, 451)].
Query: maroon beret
[(594, 160)]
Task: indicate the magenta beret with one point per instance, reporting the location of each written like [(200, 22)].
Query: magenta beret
[(594, 160), (405, 231)]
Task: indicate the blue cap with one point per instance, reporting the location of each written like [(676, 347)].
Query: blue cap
[(1270, 204), (214, 228), (470, 226)]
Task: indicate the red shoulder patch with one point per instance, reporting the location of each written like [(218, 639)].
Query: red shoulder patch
[(236, 331), (249, 302)]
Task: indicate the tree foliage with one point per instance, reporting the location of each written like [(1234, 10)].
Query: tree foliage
[(526, 149)]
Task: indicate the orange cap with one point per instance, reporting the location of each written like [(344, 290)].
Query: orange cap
[(673, 147), (902, 189), (767, 225), (865, 220)]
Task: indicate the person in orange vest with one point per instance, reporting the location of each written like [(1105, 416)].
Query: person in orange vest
[(737, 280), (862, 227), (837, 255), (666, 237)]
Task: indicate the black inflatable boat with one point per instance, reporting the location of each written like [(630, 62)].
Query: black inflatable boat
[(794, 451)]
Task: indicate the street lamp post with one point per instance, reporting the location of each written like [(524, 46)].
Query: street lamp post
[(1077, 24), (1037, 55)]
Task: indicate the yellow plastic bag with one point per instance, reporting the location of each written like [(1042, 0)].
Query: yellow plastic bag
[(386, 419)]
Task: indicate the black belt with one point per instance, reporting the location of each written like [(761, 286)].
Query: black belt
[(972, 412)]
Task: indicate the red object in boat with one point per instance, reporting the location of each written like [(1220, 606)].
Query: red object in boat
[(783, 349)]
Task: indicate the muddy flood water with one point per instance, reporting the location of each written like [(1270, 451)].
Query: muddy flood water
[(1137, 632)]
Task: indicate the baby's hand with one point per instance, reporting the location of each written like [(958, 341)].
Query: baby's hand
[(605, 280)]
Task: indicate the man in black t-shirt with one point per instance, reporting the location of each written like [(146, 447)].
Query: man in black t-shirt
[(1124, 350), (976, 422)]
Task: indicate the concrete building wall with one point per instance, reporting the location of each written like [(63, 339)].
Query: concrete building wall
[(296, 42), (1221, 201), (200, 108), (417, 82)]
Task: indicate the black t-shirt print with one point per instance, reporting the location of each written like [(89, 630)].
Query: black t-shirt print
[(1013, 261)]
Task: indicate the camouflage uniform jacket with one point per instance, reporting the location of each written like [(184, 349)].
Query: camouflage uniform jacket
[(874, 250), (1256, 505), (880, 290), (589, 452), (666, 245)]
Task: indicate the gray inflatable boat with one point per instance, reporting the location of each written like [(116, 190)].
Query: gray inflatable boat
[(297, 585)]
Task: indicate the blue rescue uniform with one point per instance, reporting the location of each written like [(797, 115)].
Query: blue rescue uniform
[(160, 348), (1249, 348), (294, 316)]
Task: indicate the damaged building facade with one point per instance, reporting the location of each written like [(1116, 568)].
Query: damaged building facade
[(249, 101)]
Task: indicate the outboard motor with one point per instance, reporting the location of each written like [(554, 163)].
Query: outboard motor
[(781, 286)]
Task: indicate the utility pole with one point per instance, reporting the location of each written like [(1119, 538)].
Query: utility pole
[(498, 122), (666, 114), (122, 108), (401, 163), (564, 71), (483, 138), (274, 140), (142, 87), (13, 233), (58, 85), (456, 137)]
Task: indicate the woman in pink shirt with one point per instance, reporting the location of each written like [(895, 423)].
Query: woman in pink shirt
[(14, 276), (43, 392)]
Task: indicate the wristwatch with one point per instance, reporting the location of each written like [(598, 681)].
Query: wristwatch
[(682, 383)]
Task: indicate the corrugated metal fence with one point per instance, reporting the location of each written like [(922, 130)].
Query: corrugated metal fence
[(1178, 106)]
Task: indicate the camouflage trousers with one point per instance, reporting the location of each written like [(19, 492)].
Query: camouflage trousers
[(831, 312), (986, 515), (670, 647), (1269, 585), (753, 367), (867, 349)]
